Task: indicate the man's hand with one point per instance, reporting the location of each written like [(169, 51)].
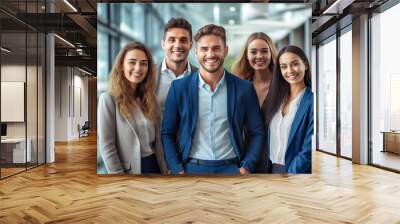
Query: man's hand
[(243, 171), (181, 172)]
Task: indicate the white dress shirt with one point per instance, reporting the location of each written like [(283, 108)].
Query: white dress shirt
[(164, 82), (280, 129), (211, 139)]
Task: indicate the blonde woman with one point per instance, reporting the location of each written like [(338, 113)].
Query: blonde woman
[(256, 63), (129, 117)]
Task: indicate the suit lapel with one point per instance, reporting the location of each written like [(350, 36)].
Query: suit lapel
[(131, 123), (231, 87), (194, 98), (304, 104), (158, 77), (192, 68)]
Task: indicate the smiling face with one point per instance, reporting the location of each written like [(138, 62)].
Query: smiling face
[(211, 51), (176, 44), (135, 65), (259, 54), (292, 68)]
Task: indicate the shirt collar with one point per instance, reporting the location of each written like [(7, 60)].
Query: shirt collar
[(202, 83), (164, 68)]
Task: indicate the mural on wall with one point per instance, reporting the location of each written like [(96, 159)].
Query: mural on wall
[(173, 96)]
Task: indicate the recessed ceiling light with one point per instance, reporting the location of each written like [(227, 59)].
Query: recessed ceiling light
[(70, 5), (337, 7), (84, 71), (5, 49), (64, 40)]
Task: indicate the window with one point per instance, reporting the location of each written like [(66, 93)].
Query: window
[(127, 19), (102, 12), (346, 94), (385, 85), (327, 96), (102, 60)]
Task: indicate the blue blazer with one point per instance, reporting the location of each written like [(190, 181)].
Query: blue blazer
[(181, 113), (298, 152)]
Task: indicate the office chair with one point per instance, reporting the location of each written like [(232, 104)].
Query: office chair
[(84, 130)]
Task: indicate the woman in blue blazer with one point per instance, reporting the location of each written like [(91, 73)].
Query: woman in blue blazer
[(289, 113)]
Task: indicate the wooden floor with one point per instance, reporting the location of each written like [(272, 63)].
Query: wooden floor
[(387, 159), (10, 171), (70, 191)]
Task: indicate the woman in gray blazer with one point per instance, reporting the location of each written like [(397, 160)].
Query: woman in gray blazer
[(129, 116)]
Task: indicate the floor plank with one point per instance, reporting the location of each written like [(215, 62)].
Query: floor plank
[(70, 191)]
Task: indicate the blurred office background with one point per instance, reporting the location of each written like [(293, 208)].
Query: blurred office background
[(122, 23)]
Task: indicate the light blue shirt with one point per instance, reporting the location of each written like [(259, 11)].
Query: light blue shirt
[(164, 82), (211, 138)]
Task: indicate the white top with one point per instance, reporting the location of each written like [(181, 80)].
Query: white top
[(280, 129), (165, 79), (146, 132)]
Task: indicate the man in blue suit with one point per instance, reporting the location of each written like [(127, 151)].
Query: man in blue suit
[(205, 115)]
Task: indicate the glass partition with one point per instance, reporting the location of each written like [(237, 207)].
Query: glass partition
[(14, 153), (22, 77)]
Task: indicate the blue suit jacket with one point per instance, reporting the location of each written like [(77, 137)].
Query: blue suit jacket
[(298, 152), (181, 113)]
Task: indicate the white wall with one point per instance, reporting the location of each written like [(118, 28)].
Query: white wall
[(16, 73), (33, 126), (61, 103), (69, 85)]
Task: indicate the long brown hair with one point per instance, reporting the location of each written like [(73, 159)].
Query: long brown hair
[(242, 66), (121, 89)]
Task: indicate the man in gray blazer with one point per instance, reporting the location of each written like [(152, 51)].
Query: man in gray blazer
[(176, 43)]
